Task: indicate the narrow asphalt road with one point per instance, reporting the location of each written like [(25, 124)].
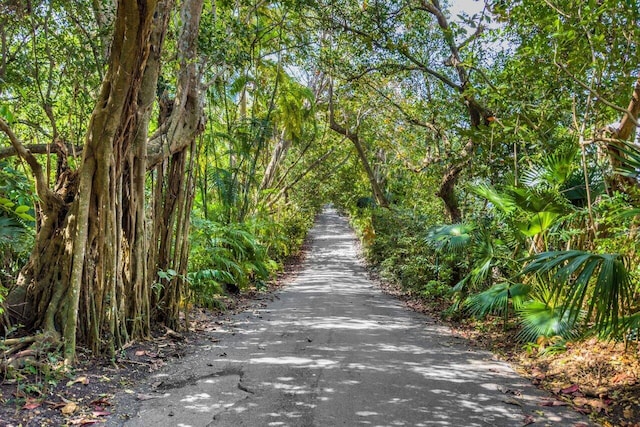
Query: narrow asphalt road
[(332, 350)]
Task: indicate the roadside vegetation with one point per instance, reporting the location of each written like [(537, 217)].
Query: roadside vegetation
[(487, 155)]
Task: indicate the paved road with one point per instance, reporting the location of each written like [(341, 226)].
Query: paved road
[(332, 350)]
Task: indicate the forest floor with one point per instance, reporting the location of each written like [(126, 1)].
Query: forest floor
[(600, 379)]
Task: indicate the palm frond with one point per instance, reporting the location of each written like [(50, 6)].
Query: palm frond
[(502, 201), (539, 319), (450, 238), (553, 170), (496, 299), (629, 158), (599, 282)]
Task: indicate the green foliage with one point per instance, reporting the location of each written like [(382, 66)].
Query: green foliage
[(450, 238), (540, 319), (497, 298), (399, 252), (580, 279), (17, 225), (225, 257)]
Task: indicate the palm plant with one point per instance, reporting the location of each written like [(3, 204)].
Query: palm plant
[(490, 259), (226, 257), (542, 315), (532, 210), (497, 298), (579, 279)]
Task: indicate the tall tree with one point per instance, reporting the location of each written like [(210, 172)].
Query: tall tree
[(88, 275)]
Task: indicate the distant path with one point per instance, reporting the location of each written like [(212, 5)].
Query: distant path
[(332, 350)]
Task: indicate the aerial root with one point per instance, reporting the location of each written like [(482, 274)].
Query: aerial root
[(20, 352)]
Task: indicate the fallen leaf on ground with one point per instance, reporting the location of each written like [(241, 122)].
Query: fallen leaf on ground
[(80, 380), (623, 377), (553, 403), (628, 412), (32, 404), (571, 389), (101, 413), (528, 420), (142, 396), (83, 422), (512, 402), (101, 402), (69, 408), (594, 403)]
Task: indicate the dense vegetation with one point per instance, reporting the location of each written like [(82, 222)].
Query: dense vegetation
[(157, 155)]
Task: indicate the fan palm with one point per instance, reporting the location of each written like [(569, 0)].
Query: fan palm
[(598, 282), (544, 316), (496, 300)]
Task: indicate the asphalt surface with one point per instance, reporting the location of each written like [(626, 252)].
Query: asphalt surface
[(333, 350)]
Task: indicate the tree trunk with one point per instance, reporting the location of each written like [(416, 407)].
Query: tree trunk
[(447, 193), (279, 153), (86, 297), (628, 127), (88, 277)]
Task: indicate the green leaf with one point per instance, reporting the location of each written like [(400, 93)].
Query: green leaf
[(26, 217), (583, 280), (6, 202), (6, 114), (452, 237)]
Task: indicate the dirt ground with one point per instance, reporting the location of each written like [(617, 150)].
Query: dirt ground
[(600, 379)]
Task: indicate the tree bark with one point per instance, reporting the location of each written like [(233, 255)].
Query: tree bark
[(628, 127), (279, 153), (88, 277)]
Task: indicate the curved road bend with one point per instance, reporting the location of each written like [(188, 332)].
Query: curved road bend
[(332, 350)]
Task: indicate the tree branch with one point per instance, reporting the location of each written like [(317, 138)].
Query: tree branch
[(302, 175), (403, 51), (73, 150), (628, 113)]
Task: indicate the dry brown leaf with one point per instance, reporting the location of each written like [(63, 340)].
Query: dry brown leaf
[(594, 403), (101, 402), (623, 377), (80, 380), (571, 389), (553, 403), (69, 408), (32, 404), (83, 421), (628, 412)]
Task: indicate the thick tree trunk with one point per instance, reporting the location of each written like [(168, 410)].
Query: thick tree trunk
[(89, 301), (89, 274), (447, 193), (174, 175)]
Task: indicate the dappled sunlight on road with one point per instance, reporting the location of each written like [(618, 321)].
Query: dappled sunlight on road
[(307, 363), (333, 350)]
